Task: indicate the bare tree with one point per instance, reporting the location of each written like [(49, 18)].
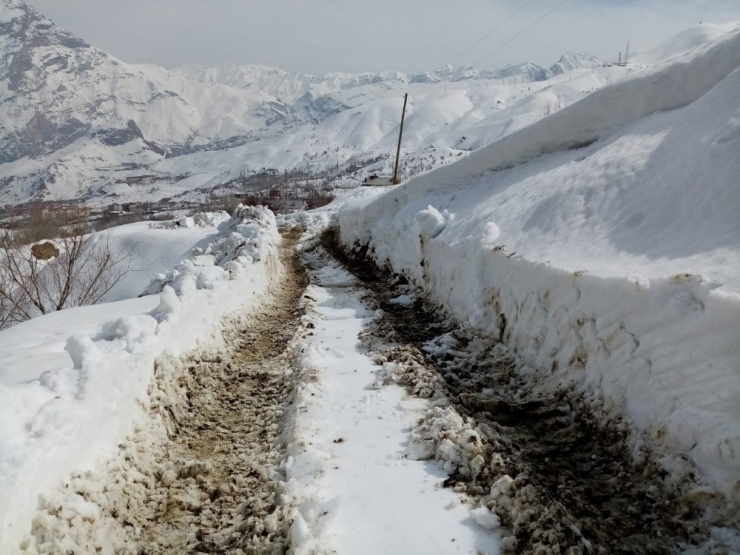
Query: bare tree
[(77, 270)]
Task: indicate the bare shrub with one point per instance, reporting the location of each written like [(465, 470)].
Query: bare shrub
[(318, 200), (76, 270), (215, 202)]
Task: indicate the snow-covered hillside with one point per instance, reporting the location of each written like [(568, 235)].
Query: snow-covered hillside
[(77, 120), (602, 245)]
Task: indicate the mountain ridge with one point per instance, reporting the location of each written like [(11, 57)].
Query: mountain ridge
[(76, 120)]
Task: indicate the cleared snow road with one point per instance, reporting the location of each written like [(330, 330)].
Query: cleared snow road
[(542, 467), (357, 491)]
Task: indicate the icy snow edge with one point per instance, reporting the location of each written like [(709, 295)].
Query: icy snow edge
[(71, 416)]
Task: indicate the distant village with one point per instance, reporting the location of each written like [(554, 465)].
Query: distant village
[(282, 192)]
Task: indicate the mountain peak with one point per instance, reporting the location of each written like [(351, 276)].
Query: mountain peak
[(577, 60), (22, 23)]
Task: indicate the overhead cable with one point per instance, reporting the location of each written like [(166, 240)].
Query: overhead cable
[(484, 37), (519, 33)]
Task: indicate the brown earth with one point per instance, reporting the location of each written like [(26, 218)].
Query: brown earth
[(44, 251)]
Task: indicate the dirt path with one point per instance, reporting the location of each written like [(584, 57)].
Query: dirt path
[(224, 449), (565, 482), (200, 475)]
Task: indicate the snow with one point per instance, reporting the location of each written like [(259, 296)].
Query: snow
[(351, 474), (73, 383), (155, 249), (683, 41), (601, 245), (403, 300), (249, 117), (279, 119), (485, 518)]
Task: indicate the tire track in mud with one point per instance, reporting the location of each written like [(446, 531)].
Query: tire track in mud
[(201, 474), (231, 437), (559, 479)]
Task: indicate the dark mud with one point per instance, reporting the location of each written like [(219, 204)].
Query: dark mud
[(575, 485), (231, 439), (201, 475)]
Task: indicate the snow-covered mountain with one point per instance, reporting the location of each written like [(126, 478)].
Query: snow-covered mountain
[(77, 121), (289, 87), (74, 119), (56, 88)]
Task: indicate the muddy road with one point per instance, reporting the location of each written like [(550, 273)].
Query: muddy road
[(200, 475), (576, 486), (226, 446)]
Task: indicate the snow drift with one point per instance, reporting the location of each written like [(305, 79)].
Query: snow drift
[(602, 245), (72, 383)]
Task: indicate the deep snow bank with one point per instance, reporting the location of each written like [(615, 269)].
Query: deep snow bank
[(614, 266), (158, 247), (71, 383), (674, 83)]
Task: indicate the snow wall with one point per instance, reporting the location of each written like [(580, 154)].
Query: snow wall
[(74, 383), (639, 308)]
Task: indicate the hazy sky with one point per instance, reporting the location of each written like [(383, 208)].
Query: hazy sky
[(317, 36)]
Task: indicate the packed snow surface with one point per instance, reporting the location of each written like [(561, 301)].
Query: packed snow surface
[(603, 245), (350, 469), (72, 382)]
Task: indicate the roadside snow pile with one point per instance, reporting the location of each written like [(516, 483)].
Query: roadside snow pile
[(156, 248), (73, 383), (602, 246), (319, 218), (199, 220)]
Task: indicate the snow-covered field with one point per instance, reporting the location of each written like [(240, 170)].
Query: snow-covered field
[(601, 245), (73, 383)]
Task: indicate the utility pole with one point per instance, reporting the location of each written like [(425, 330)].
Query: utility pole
[(400, 136), (627, 52)]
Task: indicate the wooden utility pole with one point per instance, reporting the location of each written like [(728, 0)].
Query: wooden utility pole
[(400, 136)]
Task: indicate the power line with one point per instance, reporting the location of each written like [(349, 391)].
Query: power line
[(519, 33), (484, 37)]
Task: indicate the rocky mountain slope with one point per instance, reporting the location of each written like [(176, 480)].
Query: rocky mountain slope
[(56, 88), (76, 121)]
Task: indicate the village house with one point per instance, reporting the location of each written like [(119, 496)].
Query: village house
[(141, 179)]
